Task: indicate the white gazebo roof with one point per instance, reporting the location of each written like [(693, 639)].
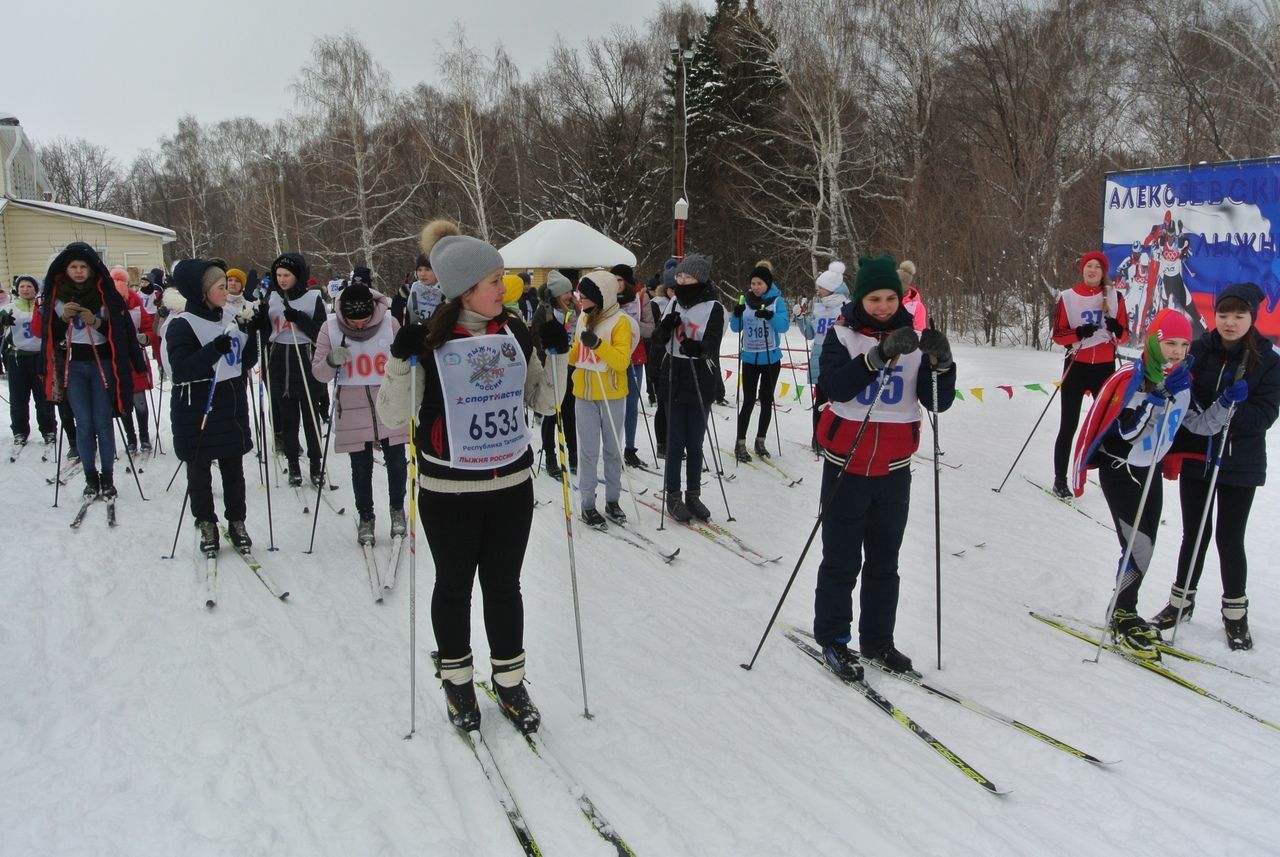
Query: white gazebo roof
[(565, 244)]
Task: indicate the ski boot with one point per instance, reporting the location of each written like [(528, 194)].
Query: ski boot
[(131, 446), (1168, 616), (677, 508), (841, 661), (106, 486), (144, 444), (208, 537), (631, 459), (398, 525), (594, 519), (552, 468), (1134, 636), (1235, 621), (19, 440), (364, 531), (239, 536), (73, 454), (295, 473), (740, 451), (1060, 489), (614, 513), (889, 658), (92, 487), (49, 438), (695, 507), (513, 699), (459, 691), (761, 450)]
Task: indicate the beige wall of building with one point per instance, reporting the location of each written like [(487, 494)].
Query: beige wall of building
[(32, 238)]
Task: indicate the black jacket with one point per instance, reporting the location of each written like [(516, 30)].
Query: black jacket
[(289, 366), (119, 355), (226, 435), (1213, 369), (677, 381)]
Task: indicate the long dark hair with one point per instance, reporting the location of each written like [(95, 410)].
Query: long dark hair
[(442, 323)]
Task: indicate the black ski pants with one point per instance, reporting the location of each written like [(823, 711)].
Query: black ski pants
[(1077, 379), (362, 476), (288, 415), (1234, 503), (567, 410), (200, 483), (1122, 487), (24, 385), (686, 430), (862, 528), (764, 379), (483, 532)]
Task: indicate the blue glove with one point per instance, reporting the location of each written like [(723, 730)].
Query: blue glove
[(1237, 392), (1175, 382)]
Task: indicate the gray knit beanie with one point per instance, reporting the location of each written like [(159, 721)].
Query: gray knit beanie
[(558, 284), (461, 261), (697, 266)]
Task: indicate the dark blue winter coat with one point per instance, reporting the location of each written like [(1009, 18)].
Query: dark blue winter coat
[(1213, 369), (226, 435)]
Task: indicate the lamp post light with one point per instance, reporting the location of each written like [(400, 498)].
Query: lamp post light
[(681, 211), (282, 236)]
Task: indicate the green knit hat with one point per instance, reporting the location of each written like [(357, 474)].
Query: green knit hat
[(874, 274)]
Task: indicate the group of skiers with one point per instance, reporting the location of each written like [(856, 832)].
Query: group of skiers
[(450, 365)]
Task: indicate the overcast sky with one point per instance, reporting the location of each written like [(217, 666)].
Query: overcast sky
[(121, 72)]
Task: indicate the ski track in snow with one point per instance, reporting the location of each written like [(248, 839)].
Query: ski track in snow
[(134, 721)]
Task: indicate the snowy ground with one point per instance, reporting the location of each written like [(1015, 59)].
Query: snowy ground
[(135, 722)]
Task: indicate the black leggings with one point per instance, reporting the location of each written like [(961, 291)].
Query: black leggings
[(286, 415), (765, 378), (567, 411), (1077, 378), (484, 531), (1234, 502), (1122, 486)]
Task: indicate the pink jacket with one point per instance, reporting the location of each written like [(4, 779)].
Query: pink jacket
[(913, 304), (357, 423)]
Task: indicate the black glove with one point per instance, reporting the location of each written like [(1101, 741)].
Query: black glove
[(222, 344), (590, 339), (6, 319), (738, 309), (671, 322), (1084, 331), (934, 343), (1114, 327), (162, 311), (293, 316), (553, 336), (765, 314), (410, 340), (901, 341), (691, 348)]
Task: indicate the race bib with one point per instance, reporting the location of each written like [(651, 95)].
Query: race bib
[(81, 333), (756, 335), (693, 321), (898, 402), (229, 365), (282, 330), (368, 364), (482, 380)]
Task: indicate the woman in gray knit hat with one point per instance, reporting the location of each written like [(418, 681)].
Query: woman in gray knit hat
[(475, 370)]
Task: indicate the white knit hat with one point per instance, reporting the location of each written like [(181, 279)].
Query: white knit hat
[(832, 279)]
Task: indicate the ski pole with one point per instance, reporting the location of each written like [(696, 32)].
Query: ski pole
[(1134, 533), (57, 460), (710, 417), (102, 376), (653, 450), (885, 374), (937, 508), (204, 420), (324, 460), (1208, 504), (671, 400), (773, 414), (613, 428), (563, 455), (1071, 361), (737, 386), (413, 547), (262, 451)]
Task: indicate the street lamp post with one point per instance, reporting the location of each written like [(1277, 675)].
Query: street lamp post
[(281, 225), (680, 55)]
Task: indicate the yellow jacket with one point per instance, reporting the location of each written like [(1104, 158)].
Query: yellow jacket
[(614, 353)]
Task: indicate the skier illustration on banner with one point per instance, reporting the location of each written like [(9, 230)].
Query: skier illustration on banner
[(1170, 248), (1135, 280)]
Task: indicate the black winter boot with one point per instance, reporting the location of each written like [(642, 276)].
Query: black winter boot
[(208, 537), (92, 488), (107, 486), (694, 504)]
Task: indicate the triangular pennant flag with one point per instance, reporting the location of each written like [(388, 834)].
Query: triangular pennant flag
[(976, 392), (959, 395), (1037, 387), (799, 390), (1007, 389), (728, 373), (785, 388)]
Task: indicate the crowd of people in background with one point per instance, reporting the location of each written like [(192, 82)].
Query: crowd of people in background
[(465, 377)]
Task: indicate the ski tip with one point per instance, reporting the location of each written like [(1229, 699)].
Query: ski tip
[(284, 596), (210, 604)]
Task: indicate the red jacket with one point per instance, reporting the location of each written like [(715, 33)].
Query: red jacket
[(143, 321), (1090, 302)]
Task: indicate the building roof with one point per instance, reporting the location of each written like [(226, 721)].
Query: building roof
[(92, 216)]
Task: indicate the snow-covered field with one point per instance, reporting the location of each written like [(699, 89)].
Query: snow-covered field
[(135, 722)]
